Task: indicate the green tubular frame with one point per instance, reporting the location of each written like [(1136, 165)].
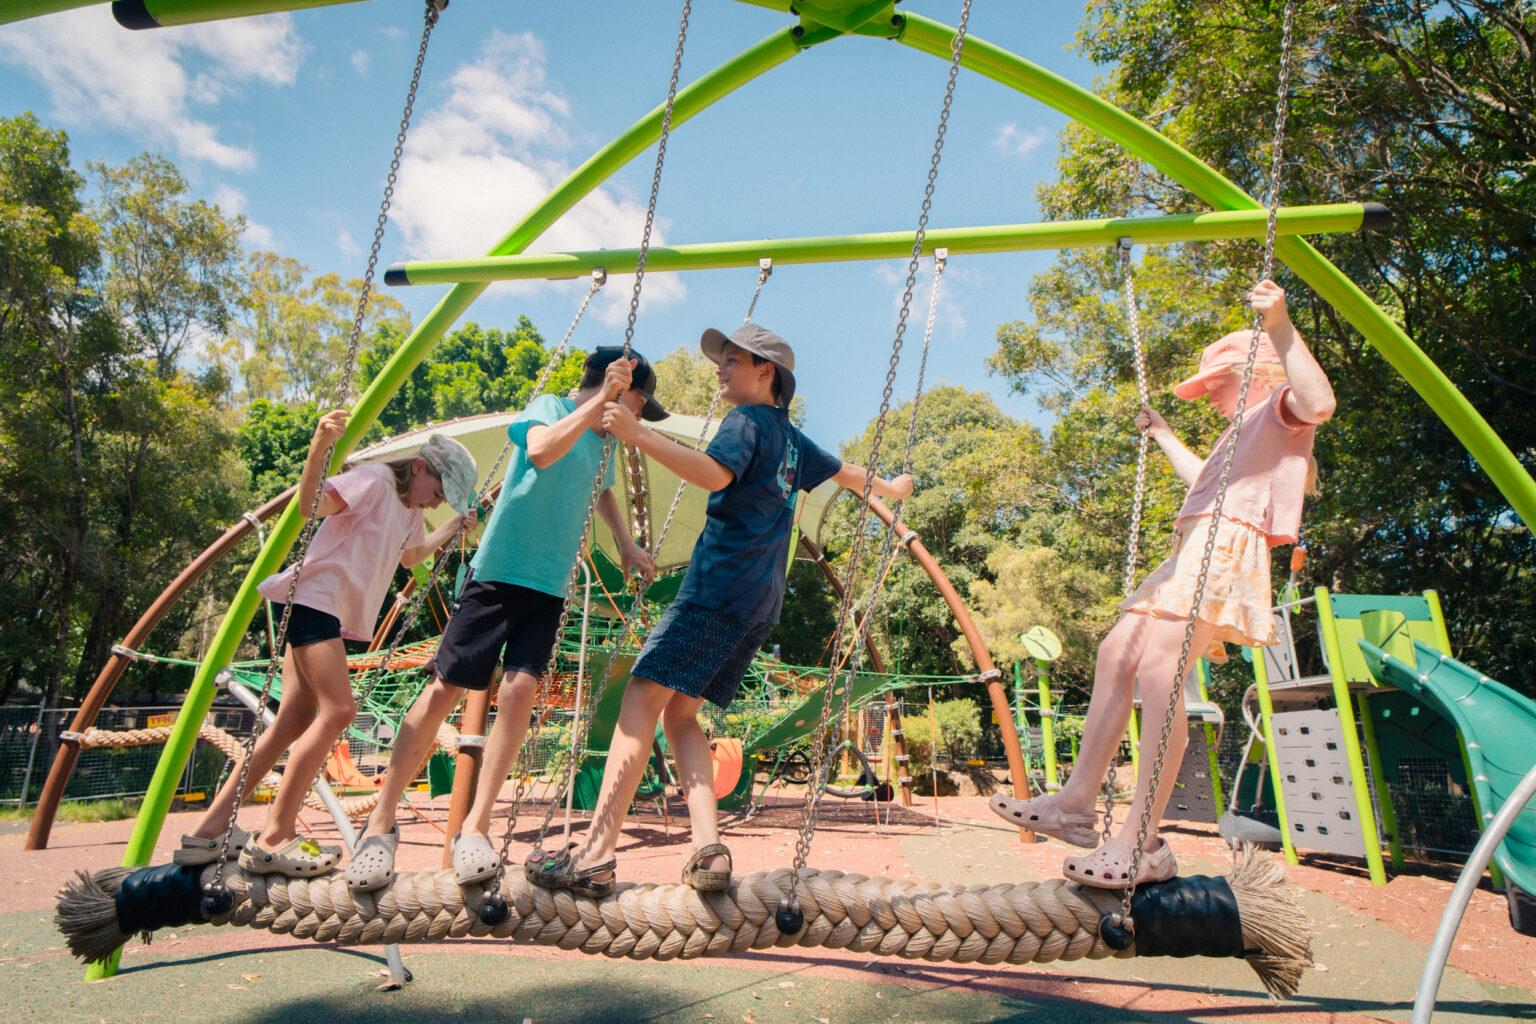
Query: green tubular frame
[(1104, 231), (1202, 681), (1047, 724), (926, 36)]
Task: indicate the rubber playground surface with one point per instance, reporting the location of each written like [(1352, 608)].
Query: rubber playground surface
[(1369, 943)]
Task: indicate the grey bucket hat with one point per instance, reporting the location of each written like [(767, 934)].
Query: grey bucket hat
[(455, 467), (759, 341)]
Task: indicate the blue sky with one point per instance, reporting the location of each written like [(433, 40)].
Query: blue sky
[(290, 119)]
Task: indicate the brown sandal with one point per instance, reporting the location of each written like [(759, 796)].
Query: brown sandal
[(559, 871), (708, 881)]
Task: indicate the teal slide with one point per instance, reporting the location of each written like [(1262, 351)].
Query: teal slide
[(1499, 729)]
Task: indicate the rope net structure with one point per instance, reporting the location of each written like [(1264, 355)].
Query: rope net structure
[(1250, 914)]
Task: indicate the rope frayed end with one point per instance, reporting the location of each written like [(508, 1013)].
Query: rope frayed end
[(87, 914), (1276, 932)]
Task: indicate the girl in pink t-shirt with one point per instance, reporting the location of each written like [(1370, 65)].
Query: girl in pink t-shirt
[(373, 517), (1287, 398)]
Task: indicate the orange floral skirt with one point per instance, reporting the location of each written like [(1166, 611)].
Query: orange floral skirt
[(1237, 598)]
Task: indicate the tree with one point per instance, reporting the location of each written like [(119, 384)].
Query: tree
[(1425, 107), (471, 371), (172, 264), (290, 341), (117, 456), (954, 427)]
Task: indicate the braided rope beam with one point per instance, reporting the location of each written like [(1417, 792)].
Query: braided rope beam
[(1010, 923)]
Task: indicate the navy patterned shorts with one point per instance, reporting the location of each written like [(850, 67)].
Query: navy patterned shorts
[(701, 652)]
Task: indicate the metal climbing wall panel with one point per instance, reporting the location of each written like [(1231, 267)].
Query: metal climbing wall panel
[(1314, 776)]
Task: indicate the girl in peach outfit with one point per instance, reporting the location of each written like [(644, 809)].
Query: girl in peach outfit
[(1287, 398)]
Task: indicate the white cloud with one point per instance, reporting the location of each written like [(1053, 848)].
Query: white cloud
[(345, 244), (231, 200), (949, 315), (359, 60), (1012, 141), (151, 85), (480, 160)]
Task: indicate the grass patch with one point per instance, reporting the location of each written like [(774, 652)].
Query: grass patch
[(91, 810)]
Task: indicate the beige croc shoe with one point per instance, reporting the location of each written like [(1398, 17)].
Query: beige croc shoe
[(297, 858), (1109, 866), (474, 858), (1040, 814), (196, 851), (373, 862)]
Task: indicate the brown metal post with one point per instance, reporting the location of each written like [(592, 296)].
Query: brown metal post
[(988, 672), (892, 705), (466, 766), (117, 664)]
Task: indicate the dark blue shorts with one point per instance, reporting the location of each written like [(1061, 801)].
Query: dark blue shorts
[(307, 625), (701, 652), (489, 615)]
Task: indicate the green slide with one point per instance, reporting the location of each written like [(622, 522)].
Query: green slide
[(1499, 728)]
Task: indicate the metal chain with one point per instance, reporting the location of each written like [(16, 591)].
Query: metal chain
[(275, 661), (1138, 499), (764, 271), (1176, 691), (817, 786), (583, 717)]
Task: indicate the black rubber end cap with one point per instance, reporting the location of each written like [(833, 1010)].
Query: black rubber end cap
[(1376, 217), (133, 14), (395, 276), (790, 920), (493, 909), (215, 903), (1116, 932)]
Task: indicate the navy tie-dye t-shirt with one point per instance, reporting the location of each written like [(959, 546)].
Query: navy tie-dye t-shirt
[(739, 561)]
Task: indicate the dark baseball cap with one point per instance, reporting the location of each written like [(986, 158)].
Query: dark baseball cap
[(643, 379)]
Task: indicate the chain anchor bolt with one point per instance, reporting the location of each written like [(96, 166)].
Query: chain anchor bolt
[(1117, 931), (789, 917), (493, 909)]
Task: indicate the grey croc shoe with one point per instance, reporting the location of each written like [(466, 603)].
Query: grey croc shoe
[(196, 851), (373, 862), (474, 858)]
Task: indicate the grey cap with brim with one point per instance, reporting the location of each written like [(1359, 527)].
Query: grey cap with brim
[(760, 341), (455, 467)]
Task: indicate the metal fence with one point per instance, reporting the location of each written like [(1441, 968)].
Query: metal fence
[(29, 740)]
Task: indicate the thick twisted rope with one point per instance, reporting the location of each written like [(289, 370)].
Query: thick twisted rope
[(1019, 923), (226, 743)]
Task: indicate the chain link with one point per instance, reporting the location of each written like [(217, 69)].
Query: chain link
[(1176, 692), (820, 765), (275, 661), (1138, 499), (584, 715)]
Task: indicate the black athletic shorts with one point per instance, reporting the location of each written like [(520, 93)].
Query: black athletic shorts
[(487, 616), (307, 625)]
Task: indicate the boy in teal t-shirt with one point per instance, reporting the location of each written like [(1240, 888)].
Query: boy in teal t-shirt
[(510, 607)]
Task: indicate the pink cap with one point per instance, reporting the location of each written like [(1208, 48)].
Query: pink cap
[(1223, 355)]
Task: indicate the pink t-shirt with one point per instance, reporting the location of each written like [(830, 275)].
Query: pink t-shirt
[(353, 555), (1269, 472)]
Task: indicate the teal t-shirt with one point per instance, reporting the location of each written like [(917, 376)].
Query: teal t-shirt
[(533, 534)]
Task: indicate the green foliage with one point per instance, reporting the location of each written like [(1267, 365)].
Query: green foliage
[(1427, 108), (472, 370), (290, 341), (957, 726)]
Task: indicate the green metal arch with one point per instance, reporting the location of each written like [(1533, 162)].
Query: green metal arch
[(926, 36)]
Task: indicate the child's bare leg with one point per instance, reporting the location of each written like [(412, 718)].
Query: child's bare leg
[(1109, 711), (514, 702), (413, 742), (295, 712), (696, 771), (1159, 662), (627, 753), (322, 668)]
